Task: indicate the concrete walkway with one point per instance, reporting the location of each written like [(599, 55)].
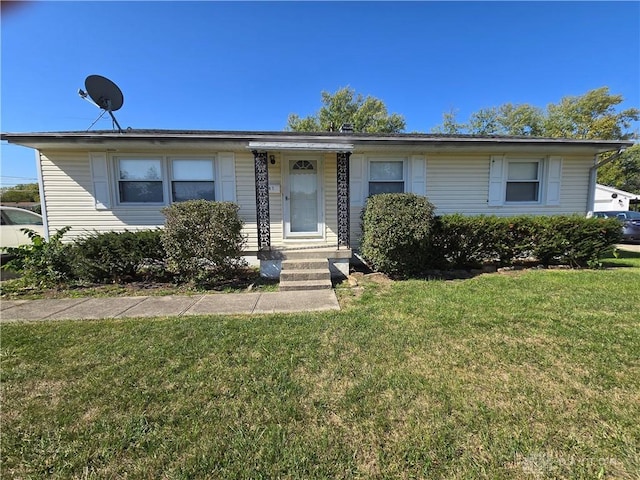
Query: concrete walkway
[(211, 304)]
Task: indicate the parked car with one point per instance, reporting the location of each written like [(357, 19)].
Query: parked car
[(13, 219), (630, 223)]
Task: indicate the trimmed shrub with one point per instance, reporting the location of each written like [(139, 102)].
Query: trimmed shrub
[(469, 242), (396, 233), (43, 263), (574, 240), (116, 257), (465, 242), (203, 241)]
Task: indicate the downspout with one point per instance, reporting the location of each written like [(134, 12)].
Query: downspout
[(43, 200), (593, 174)]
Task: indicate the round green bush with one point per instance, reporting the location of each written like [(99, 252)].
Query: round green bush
[(396, 230), (203, 240)]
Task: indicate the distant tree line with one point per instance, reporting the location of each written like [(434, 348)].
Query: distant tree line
[(23, 192), (594, 115)]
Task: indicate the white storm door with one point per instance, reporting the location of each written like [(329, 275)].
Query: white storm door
[(302, 199)]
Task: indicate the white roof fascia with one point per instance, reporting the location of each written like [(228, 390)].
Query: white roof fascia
[(332, 147)]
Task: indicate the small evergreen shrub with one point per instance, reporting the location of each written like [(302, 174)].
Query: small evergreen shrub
[(203, 241), (396, 233), (117, 257), (43, 263)]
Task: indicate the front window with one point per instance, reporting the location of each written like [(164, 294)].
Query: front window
[(386, 177), (523, 182), (140, 180), (192, 179)]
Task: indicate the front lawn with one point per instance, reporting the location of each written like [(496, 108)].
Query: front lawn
[(534, 374)]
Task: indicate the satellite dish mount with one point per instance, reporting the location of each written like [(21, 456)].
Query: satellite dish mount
[(105, 95)]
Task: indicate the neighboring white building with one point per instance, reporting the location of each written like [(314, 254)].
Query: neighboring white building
[(302, 190), (609, 198)]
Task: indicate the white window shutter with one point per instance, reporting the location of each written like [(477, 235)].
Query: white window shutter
[(496, 180), (100, 180), (418, 175), (227, 171), (554, 175), (356, 180)]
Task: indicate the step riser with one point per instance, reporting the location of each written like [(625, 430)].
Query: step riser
[(293, 286), (288, 275), (304, 264)]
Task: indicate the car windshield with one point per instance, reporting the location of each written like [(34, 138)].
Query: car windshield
[(22, 217), (633, 215)]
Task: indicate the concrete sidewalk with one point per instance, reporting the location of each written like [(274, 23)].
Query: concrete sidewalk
[(210, 304)]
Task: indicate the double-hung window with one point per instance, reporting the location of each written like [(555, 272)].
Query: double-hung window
[(523, 181), (386, 176), (140, 180), (192, 179), (144, 179)]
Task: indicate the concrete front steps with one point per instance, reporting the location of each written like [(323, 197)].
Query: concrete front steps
[(305, 274)]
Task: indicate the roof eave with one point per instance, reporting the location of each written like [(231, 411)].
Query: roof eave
[(45, 140)]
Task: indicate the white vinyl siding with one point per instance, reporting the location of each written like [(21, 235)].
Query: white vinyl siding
[(68, 187), (330, 188), (245, 188), (453, 182), (80, 190)]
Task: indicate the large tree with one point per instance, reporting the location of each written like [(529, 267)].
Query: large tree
[(623, 173), (593, 115), (364, 114)]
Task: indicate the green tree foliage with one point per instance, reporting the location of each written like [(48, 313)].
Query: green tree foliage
[(449, 125), (589, 116), (623, 173), (24, 192), (594, 115), (365, 114), (507, 119)]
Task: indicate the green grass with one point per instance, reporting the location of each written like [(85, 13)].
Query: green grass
[(534, 374)]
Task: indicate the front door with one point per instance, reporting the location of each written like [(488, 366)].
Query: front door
[(302, 199)]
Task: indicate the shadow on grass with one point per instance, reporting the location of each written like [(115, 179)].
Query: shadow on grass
[(617, 260)]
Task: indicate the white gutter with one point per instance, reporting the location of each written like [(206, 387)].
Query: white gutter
[(593, 176), (301, 146)]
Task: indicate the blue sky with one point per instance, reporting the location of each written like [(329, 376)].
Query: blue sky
[(247, 65)]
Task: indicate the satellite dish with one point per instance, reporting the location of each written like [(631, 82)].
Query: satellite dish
[(105, 95), (104, 92)]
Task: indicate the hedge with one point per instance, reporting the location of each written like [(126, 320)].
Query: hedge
[(116, 257), (402, 237)]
